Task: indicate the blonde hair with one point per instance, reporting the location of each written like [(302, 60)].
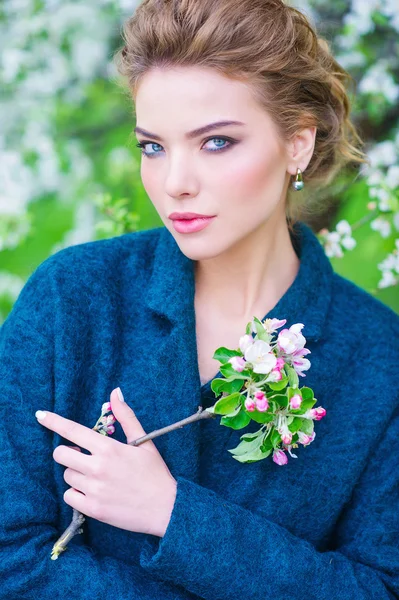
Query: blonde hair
[(274, 49)]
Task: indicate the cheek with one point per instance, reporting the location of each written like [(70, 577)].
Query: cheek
[(151, 181), (254, 176)]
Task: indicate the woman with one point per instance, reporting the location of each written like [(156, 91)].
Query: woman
[(177, 517)]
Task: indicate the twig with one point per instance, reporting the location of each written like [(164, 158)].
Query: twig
[(78, 518)]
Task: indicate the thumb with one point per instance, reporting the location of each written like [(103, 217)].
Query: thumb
[(130, 424)]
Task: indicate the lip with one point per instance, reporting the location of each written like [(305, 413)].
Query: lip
[(191, 225), (188, 215)]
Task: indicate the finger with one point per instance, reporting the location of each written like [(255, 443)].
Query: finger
[(125, 415), (64, 455), (77, 500), (76, 480), (74, 432)]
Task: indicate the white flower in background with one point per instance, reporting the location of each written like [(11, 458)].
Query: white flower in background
[(390, 268), (83, 230), (378, 80), (16, 183), (392, 178), (381, 225), (332, 246), (10, 284), (352, 59), (389, 8), (383, 196), (384, 154), (333, 241), (34, 67)]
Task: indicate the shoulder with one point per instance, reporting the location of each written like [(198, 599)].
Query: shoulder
[(96, 262), (106, 253), (357, 309), (86, 274), (363, 338)]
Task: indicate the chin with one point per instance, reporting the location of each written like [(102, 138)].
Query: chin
[(198, 249)]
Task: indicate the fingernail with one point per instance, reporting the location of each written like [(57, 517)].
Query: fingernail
[(40, 414), (120, 395)]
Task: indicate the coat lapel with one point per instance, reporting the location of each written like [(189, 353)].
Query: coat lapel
[(169, 299)]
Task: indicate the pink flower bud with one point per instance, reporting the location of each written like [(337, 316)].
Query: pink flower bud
[(279, 457), (106, 407), (110, 420), (286, 438), (110, 429), (262, 404), (280, 363), (250, 404), (277, 376), (238, 363), (317, 413), (259, 395), (296, 401), (305, 439)]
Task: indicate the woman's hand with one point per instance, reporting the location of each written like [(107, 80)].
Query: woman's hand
[(125, 486)]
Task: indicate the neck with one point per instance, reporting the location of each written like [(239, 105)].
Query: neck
[(250, 277)]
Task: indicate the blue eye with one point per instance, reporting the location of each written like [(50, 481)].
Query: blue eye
[(218, 148), (145, 152)]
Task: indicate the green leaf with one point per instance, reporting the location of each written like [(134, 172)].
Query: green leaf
[(281, 400), (308, 400), (251, 436), (278, 385), (261, 417), (223, 354), (293, 379), (306, 405), (275, 438), (228, 371), (248, 446), (264, 336), (226, 405), (267, 444), (234, 412), (296, 424), (306, 393), (239, 421), (258, 326), (307, 426), (229, 385), (254, 456)]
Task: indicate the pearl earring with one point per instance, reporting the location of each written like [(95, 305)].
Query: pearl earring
[(298, 183)]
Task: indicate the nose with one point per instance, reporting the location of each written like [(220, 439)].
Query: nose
[(180, 179)]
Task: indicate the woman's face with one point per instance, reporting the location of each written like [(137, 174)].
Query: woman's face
[(236, 172)]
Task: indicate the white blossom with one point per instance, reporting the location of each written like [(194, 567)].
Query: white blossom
[(381, 225)]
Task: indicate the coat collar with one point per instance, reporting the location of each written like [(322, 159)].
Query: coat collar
[(172, 284)]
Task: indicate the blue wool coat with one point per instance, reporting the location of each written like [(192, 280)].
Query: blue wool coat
[(120, 312)]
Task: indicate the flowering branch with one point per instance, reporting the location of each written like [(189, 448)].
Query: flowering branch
[(261, 383)]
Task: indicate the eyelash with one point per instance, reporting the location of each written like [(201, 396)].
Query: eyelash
[(225, 139)]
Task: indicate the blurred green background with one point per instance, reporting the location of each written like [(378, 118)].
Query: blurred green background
[(69, 170)]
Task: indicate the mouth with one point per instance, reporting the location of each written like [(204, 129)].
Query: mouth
[(191, 225)]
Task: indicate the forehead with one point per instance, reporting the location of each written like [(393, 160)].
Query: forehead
[(186, 97)]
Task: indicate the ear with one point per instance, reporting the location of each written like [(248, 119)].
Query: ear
[(300, 149)]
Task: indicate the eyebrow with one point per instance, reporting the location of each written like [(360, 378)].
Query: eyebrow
[(191, 134)]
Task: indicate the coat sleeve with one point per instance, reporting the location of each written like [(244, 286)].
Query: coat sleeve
[(222, 551), (29, 520)]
